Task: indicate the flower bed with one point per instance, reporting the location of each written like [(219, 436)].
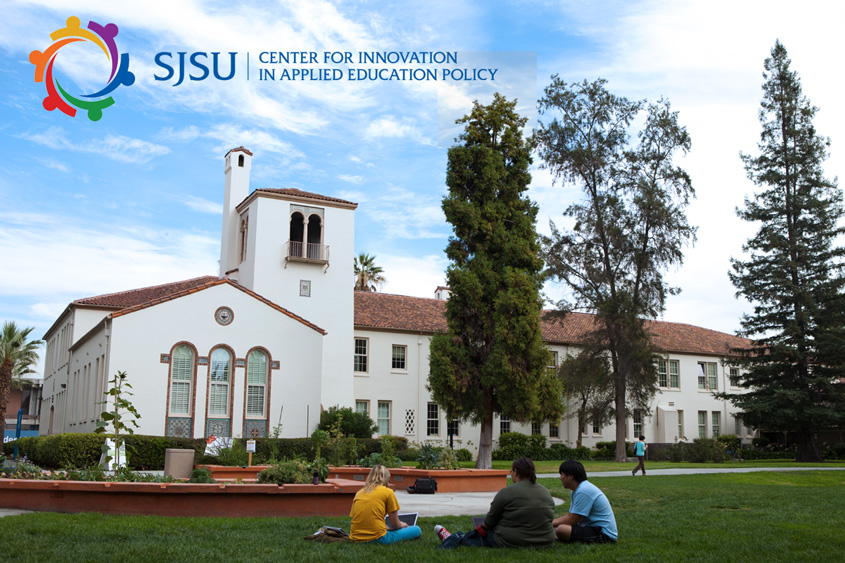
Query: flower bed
[(332, 498)]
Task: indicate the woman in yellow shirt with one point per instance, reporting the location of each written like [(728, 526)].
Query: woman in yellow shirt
[(369, 508)]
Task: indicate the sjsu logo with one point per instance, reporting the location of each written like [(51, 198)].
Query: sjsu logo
[(57, 96)]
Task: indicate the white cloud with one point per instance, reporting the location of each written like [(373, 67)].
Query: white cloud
[(406, 214), (96, 260), (115, 147), (229, 135), (417, 277), (390, 127), (204, 205), (351, 179)]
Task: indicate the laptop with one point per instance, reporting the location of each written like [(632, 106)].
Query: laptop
[(410, 519), (477, 521)]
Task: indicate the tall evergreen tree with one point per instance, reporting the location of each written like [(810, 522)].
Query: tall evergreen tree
[(492, 358), (792, 272), (628, 228), (588, 382), (17, 354)]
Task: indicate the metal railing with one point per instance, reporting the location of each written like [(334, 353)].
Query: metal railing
[(311, 252)]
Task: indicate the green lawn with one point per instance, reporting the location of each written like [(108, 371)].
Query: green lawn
[(598, 466), (790, 516)]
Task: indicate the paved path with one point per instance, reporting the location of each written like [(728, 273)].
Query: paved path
[(477, 504)]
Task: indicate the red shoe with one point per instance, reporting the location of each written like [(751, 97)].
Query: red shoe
[(441, 532)]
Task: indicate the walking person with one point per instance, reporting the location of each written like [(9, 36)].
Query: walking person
[(639, 451)]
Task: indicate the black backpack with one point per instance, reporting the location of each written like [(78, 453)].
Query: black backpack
[(423, 487)]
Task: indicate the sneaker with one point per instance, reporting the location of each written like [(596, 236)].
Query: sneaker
[(441, 532)]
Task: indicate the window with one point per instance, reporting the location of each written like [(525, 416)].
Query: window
[(181, 378), (256, 384), (638, 423), (453, 428), (242, 237), (734, 377), (596, 429), (361, 355), (668, 374), (218, 384), (535, 428), (362, 407), (681, 425), (554, 430), (383, 418), (737, 426), (432, 423), (504, 424), (707, 376), (409, 422), (399, 353), (715, 420), (552, 365), (702, 424)]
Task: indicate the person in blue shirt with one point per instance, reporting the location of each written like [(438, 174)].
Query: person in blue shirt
[(590, 517), (639, 451)]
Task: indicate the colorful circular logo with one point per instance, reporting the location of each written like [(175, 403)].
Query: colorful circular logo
[(58, 97)]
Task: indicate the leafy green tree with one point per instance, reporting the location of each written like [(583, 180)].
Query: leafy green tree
[(17, 355), (792, 272), (123, 414), (627, 229), (492, 359), (349, 422), (368, 276), (588, 382)]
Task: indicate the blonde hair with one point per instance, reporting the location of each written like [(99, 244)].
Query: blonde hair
[(379, 475)]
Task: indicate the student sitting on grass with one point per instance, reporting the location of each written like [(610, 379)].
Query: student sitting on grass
[(369, 507), (520, 515), (590, 517)]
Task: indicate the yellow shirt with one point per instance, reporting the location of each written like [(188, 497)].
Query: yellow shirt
[(368, 512)]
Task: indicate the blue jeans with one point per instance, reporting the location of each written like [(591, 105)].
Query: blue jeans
[(471, 538), (393, 536)]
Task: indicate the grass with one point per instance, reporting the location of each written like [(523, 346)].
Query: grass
[(599, 466), (726, 517)]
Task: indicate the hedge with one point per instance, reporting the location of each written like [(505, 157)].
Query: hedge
[(74, 450)]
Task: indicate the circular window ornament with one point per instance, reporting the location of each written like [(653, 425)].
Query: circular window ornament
[(224, 316)]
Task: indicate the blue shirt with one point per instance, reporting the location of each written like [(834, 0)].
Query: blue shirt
[(640, 448), (594, 509)]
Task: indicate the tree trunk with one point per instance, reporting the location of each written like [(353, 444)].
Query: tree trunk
[(5, 387), (808, 449), (621, 418), (485, 443)]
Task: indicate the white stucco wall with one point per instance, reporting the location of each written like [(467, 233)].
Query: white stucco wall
[(136, 341)]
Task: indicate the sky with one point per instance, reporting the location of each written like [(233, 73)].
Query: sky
[(135, 198)]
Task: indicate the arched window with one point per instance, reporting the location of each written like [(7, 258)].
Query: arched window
[(219, 378), (241, 160), (181, 378), (315, 237), (242, 239), (297, 233), (256, 384), (180, 408)]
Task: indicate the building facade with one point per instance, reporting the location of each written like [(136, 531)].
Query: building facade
[(279, 334)]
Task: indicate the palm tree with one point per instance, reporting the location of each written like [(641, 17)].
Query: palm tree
[(368, 276), (17, 354)]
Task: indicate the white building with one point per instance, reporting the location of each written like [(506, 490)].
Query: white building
[(280, 334)]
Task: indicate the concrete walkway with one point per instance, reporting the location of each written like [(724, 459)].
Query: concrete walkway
[(477, 504)]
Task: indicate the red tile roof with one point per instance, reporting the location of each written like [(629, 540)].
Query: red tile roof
[(418, 314), (126, 302), (300, 193), (133, 297)]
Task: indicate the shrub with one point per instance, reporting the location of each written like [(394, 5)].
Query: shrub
[(512, 445), (293, 471), (350, 423), (607, 450), (836, 451), (201, 476), (236, 456), (731, 442), (705, 449), (463, 454)]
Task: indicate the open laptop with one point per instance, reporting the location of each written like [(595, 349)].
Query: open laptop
[(410, 519)]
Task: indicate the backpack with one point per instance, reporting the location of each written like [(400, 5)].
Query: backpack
[(328, 534), (423, 487)]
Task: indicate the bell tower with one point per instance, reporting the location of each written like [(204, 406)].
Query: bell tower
[(236, 167)]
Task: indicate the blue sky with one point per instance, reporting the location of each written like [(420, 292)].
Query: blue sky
[(135, 198)]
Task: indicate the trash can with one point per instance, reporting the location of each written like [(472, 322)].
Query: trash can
[(178, 463)]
